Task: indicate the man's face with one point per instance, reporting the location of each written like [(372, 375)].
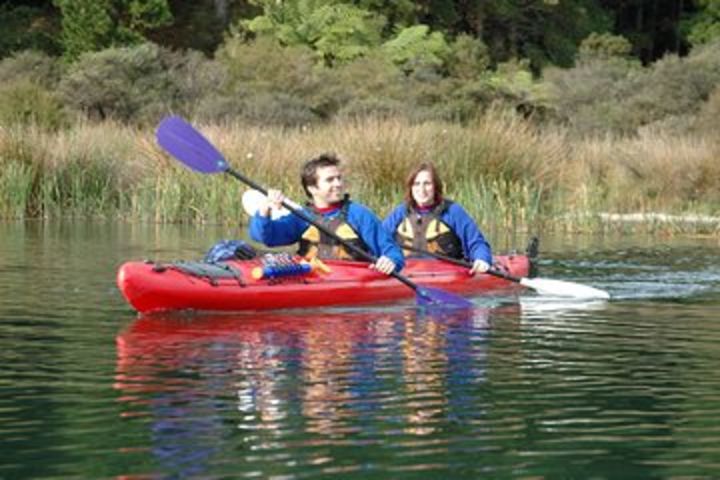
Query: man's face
[(329, 188)]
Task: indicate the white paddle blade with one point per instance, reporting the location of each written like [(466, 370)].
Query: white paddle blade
[(253, 199), (560, 288)]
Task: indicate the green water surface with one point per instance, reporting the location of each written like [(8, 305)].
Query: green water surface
[(519, 387)]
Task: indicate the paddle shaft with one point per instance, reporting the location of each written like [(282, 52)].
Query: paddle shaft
[(463, 263), (299, 213), (542, 286)]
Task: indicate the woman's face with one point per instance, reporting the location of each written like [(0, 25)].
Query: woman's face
[(423, 189)]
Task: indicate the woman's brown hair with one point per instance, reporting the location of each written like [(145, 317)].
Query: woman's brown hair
[(437, 183)]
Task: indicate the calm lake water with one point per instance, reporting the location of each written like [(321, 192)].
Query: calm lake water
[(520, 387)]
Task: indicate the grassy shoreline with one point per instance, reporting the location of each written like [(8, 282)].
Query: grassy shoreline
[(505, 172)]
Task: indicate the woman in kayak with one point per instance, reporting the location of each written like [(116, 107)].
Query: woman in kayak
[(323, 182), (427, 222)]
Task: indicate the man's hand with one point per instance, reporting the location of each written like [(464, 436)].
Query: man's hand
[(479, 266), (384, 265), (274, 200)]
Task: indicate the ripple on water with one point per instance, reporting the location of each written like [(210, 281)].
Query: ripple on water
[(534, 387)]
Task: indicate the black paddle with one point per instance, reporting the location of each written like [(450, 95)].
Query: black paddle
[(544, 286), (182, 141)]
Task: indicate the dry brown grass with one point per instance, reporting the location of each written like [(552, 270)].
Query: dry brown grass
[(504, 170)]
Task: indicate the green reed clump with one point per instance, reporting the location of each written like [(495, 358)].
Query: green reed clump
[(501, 203), (508, 174), (78, 172), (18, 174), (16, 182), (180, 196)]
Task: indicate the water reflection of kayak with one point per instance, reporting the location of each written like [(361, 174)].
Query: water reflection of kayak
[(249, 285), (200, 386), (170, 341)]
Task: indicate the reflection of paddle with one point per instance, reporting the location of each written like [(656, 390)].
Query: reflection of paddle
[(544, 286), (182, 141)]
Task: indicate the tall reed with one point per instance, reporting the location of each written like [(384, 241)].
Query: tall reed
[(507, 173)]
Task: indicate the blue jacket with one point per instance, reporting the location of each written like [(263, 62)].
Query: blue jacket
[(475, 247), (290, 228)]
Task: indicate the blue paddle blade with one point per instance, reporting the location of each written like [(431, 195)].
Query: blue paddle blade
[(182, 141), (434, 298)]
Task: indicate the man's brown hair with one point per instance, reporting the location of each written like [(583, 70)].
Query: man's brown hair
[(308, 175)]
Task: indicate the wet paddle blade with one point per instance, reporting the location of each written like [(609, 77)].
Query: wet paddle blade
[(182, 141), (432, 297), (561, 288)]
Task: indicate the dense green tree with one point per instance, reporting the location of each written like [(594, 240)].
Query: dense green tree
[(92, 25), (400, 13), (27, 27), (201, 24), (337, 31), (704, 26), (603, 46), (652, 26), (543, 31), (416, 46), (468, 58), (86, 25)]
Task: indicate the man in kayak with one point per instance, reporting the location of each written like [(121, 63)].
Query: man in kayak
[(427, 222), (323, 182)]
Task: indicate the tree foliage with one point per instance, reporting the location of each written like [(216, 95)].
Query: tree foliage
[(25, 102), (604, 45), (92, 25), (336, 31), (26, 28), (704, 27), (32, 65), (594, 65), (416, 46), (130, 84)]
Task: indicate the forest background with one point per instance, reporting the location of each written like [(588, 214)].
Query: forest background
[(554, 114)]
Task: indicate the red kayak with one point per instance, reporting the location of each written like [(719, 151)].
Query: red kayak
[(239, 285)]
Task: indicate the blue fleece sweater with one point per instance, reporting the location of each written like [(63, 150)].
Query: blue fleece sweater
[(474, 245), (289, 229)]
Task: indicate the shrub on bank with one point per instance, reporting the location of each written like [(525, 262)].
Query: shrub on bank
[(23, 102), (369, 86), (266, 108), (136, 84), (675, 86), (261, 82), (588, 98), (275, 74), (706, 122), (615, 95), (31, 66)]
